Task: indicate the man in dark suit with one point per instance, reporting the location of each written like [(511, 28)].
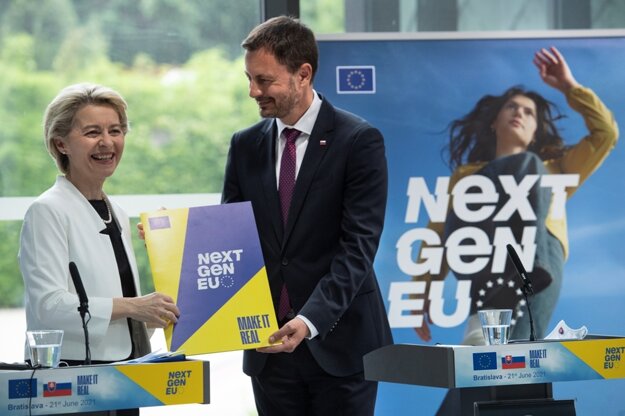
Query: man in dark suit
[(317, 179)]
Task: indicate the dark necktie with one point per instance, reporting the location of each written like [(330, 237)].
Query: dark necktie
[(285, 190)]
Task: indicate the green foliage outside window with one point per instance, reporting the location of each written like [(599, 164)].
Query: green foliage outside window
[(184, 105)]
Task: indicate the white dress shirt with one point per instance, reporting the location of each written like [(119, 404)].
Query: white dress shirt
[(305, 125)]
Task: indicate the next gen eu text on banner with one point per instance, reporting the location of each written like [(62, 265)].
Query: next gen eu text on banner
[(474, 200)]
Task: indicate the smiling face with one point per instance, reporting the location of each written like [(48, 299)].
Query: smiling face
[(94, 147), (515, 125), (278, 92)]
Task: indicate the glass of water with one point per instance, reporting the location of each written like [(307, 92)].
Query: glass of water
[(495, 325), (44, 347)]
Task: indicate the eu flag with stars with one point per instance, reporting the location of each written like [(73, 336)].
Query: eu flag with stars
[(355, 79), (22, 388), (485, 361)]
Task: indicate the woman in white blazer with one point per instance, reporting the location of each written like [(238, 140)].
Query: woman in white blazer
[(74, 221)]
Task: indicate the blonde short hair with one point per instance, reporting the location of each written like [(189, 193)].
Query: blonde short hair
[(59, 116)]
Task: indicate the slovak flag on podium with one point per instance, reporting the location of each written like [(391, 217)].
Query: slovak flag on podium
[(209, 260)]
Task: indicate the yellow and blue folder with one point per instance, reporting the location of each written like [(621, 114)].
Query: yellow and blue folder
[(209, 260)]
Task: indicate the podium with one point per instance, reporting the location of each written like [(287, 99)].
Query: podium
[(103, 387), (516, 375)]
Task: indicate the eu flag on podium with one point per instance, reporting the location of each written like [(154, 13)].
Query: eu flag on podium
[(355, 79), (484, 361), (22, 388)]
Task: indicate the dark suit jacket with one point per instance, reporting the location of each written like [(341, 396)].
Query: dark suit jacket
[(325, 255)]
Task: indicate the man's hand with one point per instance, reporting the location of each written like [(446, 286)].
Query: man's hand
[(291, 335), (141, 231)]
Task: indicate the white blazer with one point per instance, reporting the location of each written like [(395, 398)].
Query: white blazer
[(59, 227)]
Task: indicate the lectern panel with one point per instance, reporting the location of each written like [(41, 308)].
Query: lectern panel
[(411, 364), (498, 365), (103, 387)]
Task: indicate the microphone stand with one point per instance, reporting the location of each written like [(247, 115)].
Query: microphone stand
[(527, 291), (526, 287), (83, 309)]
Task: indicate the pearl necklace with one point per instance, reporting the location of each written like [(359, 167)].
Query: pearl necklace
[(109, 210)]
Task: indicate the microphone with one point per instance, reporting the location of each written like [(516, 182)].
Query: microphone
[(519, 268), (83, 308), (80, 289), (527, 285)]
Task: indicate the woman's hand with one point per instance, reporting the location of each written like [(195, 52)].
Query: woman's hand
[(156, 309), (554, 70)]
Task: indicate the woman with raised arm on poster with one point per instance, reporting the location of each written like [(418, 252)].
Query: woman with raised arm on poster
[(513, 142)]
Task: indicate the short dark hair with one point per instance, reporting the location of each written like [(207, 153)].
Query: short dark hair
[(291, 42)]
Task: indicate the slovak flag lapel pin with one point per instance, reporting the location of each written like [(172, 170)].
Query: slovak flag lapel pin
[(322, 142)]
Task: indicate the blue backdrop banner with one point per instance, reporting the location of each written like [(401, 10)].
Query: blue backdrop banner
[(412, 89)]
